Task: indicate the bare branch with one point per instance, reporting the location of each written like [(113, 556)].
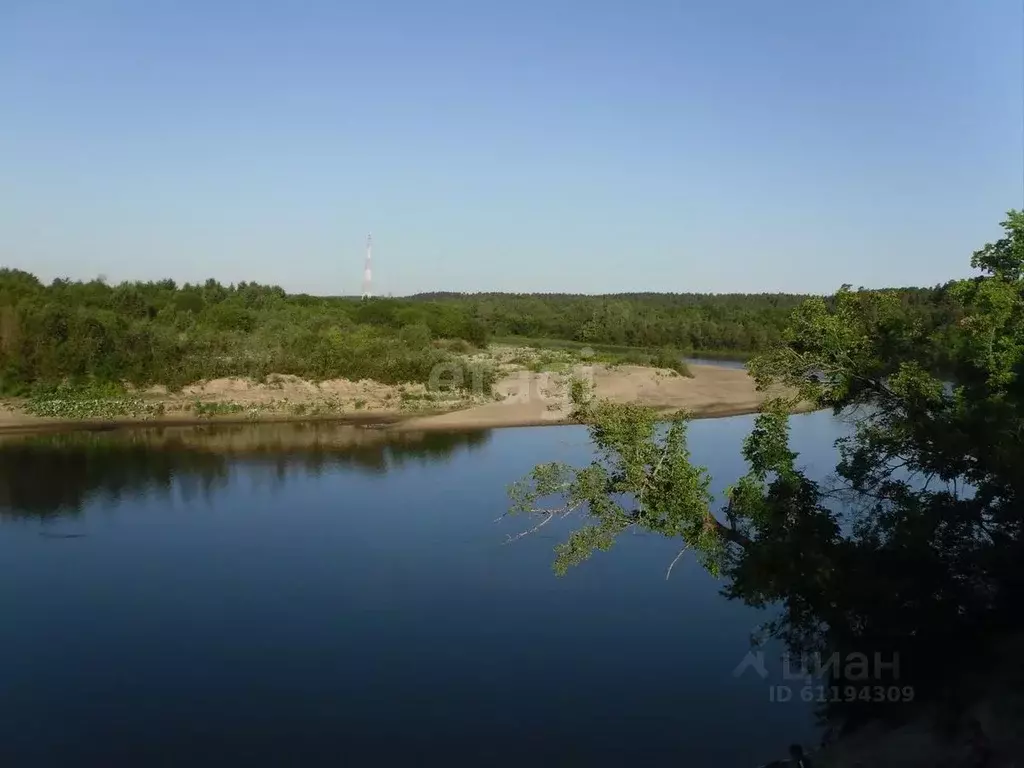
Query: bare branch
[(541, 524), (654, 474), (549, 515), (673, 563)]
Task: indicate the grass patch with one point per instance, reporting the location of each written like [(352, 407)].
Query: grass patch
[(77, 408), (209, 410), (90, 399)]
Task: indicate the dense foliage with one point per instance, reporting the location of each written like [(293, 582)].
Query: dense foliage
[(699, 323), (147, 333), (914, 546), (159, 332)]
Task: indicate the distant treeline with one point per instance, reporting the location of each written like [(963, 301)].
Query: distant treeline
[(159, 332), (692, 322)]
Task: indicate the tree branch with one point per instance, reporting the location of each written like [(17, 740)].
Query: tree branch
[(732, 535), (549, 515), (509, 539), (654, 474), (673, 563)]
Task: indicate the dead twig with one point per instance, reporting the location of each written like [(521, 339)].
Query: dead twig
[(673, 563), (541, 524), (549, 515)]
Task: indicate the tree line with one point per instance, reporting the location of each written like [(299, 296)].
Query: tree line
[(160, 332), (692, 322)]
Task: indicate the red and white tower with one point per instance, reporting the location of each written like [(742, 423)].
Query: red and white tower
[(368, 269)]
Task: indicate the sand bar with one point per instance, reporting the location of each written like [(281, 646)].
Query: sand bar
[(523, 398)]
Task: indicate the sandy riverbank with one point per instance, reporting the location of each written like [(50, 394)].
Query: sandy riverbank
[(520, 398), (543, 398)]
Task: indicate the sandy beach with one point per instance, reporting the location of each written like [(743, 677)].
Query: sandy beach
[(521, 398), (542, 398)]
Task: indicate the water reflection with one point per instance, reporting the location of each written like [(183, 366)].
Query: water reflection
[(57, 474), (379, 612)]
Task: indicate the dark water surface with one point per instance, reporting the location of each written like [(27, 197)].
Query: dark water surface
[(720, 362), (324, 595)]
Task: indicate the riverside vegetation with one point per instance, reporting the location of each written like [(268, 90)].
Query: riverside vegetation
[(913, 547), (89, 349)]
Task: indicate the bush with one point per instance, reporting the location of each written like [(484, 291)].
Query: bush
[(671, 358), (417, 335)]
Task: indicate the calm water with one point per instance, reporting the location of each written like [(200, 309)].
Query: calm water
[(317, 595), (740, 364)]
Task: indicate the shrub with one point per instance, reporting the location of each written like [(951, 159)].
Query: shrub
[(671, 358)]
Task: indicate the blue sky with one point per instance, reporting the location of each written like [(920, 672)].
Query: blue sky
[(583, 146)]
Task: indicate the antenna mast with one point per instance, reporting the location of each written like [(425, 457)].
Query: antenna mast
[(368, 269)]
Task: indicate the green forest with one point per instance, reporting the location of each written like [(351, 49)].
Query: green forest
[(163, 333)]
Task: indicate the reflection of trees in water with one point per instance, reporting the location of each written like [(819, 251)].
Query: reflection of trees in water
[(52, 476), (49, 475), (911, 549)]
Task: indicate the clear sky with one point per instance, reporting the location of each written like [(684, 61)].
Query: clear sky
[(537, 145)]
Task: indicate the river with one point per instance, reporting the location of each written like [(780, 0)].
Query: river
[(324, 595)]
